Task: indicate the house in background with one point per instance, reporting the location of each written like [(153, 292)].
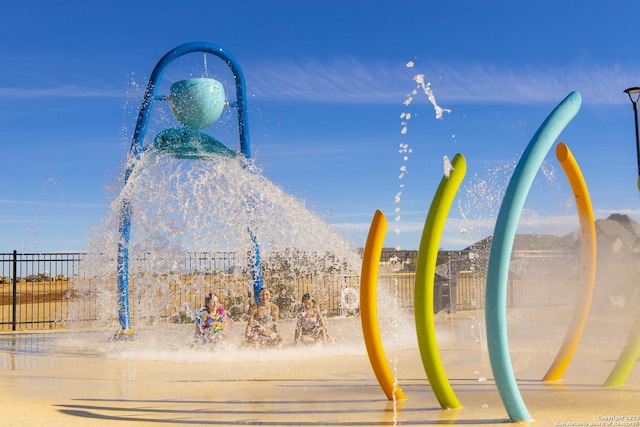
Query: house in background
[(544, 269)]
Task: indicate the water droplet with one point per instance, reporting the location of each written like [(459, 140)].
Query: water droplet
[(447, 166)]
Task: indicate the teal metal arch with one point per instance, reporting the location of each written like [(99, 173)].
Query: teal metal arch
[(150, 96)]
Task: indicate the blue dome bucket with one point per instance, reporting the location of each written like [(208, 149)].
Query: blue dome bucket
[(198, 102)]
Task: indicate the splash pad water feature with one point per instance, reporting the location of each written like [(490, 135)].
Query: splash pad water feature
[(252, 208), (191, 201), (164, 384), (196, 103), (497, 276)]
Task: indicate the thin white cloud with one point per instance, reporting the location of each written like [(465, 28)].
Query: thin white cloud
[(59, 92), (350, 80), (604, 213), (9, 202)]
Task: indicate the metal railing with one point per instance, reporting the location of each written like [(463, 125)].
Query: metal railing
[(52, 290), (34, 289), (41, 291)]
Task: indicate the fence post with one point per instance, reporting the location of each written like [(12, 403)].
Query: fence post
[(14, 319)]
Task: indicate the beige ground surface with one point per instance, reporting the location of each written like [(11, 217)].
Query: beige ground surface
[(82, 379)]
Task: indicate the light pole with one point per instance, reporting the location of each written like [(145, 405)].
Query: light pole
[(635, 92)]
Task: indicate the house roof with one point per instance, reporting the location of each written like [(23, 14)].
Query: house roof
[(617, 227), (524, 242)]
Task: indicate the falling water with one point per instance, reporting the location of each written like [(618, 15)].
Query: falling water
[(404, 149), (184, 207)]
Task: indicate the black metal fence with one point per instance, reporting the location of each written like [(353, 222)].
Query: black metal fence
[(50, 290), (34, 289)]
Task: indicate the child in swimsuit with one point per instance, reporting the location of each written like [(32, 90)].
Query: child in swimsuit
[(212, 320), (310, 324), (262, 327)]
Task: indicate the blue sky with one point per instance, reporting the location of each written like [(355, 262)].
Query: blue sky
[(327, 83)]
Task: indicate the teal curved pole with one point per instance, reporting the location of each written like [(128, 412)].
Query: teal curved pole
[(502, 245)]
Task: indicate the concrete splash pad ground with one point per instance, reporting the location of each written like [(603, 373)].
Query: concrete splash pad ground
[(69, 379)]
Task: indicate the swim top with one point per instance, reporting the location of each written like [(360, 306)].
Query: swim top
[(211, 324)]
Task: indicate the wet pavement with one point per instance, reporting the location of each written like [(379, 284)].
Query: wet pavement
[(83, 378)]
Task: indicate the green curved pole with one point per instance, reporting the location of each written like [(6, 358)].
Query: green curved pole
[(627, 358), (500, 255), (425, 274), (631, 350)]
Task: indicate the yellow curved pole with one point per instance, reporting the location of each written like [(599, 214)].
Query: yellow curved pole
[(627, 358), (425, 276), (369, 308), (631, 350), (588, 262)]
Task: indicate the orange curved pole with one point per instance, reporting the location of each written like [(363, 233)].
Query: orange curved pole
[(588, 261), (369, 308)]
